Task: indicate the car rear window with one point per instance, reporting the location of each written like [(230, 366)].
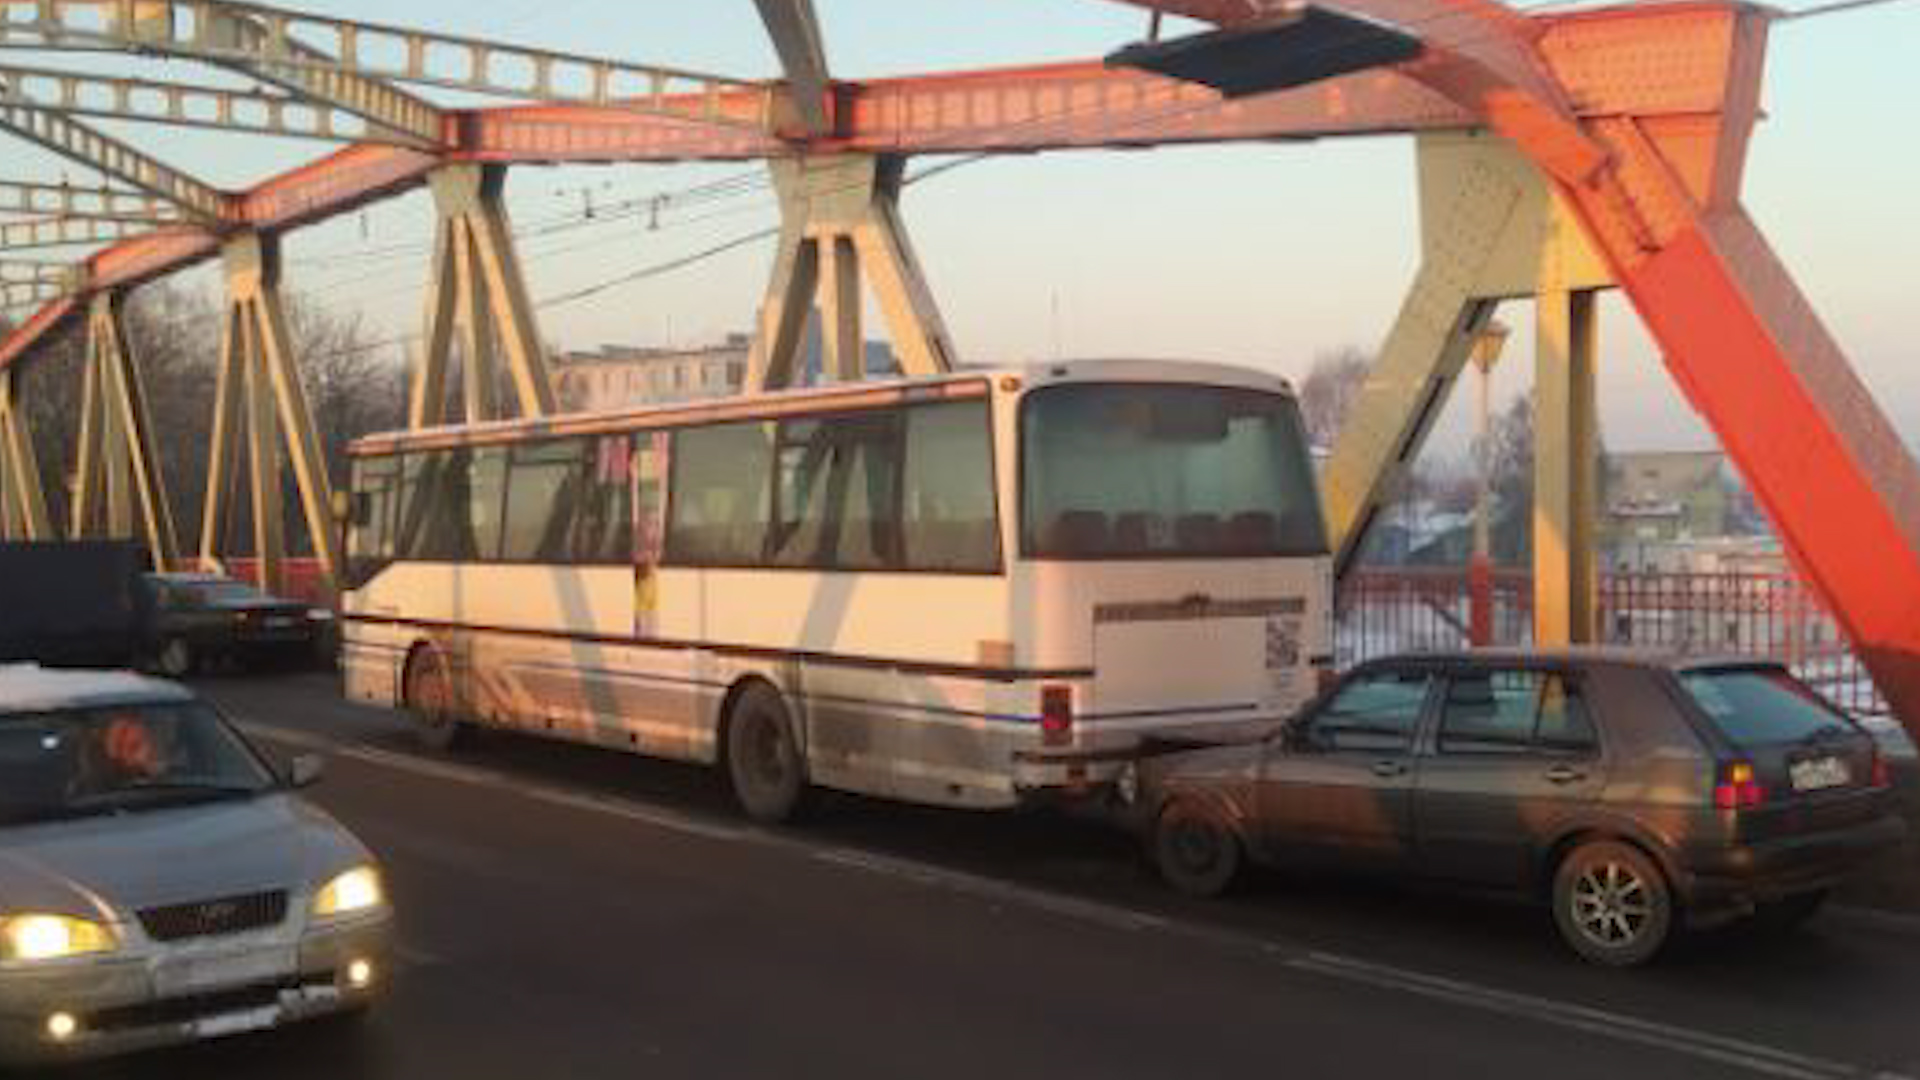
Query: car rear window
[(1757, 707)]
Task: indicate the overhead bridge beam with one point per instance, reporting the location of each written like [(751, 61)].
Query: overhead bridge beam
[(189, 105), (79, 143), (18, 295), (83, 202), (228, 35), (54, 232), (351, 63)]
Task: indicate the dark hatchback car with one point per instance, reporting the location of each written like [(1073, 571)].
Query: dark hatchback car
[(200, 620), (1634, 794)]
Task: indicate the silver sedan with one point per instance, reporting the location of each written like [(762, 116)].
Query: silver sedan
[(160, 880)]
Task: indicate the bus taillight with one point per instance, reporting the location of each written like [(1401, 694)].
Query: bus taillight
[(1056, 715)]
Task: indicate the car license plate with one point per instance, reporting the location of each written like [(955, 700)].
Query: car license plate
[(234, 1023), (1816, 774), (192, 974), (279, 623)]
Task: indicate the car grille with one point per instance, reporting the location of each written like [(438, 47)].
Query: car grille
[(211, 918)]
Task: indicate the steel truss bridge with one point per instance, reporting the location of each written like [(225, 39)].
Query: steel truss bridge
[(1559, 153)]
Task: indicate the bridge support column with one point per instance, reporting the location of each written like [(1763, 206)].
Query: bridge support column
[(478, 294), (840, 225), (1566, 463), (120, 490), (23, 503), (1487, 220), (259, 397)]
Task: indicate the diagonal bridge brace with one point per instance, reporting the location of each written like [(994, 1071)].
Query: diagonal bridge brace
[(1662, 210)]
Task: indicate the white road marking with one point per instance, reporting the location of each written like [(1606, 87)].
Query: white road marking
[(993, 889), (1738, 1053), (1754, 1057)]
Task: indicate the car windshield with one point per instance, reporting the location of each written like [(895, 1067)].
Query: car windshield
[(1763, 706), (119, 759)]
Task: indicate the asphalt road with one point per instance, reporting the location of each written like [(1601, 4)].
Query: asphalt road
[(568, 913)]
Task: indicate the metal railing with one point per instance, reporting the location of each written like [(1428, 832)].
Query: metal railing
[(1383, 611)]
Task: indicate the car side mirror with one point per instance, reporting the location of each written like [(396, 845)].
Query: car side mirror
[(306, 770)]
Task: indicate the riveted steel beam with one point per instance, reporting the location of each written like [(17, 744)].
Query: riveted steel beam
[(23, 502), (189, 105), (65, 276), (63, 231), (259, 397), (87, 203), (27, 294), (231, 36), (797, 40), (841, 225), (1480, 53), (119, 464), (350, 63), (79, 143)]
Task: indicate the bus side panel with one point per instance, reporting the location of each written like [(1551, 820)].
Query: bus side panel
[(549, 649), (852, 654)]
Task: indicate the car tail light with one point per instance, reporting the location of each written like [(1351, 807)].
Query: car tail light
[(1056, 715), (1739, 788), (1882, 772)]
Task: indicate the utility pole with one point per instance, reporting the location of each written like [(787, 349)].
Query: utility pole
[(1486, 352)]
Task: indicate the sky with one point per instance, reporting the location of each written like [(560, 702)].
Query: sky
[(1267, 255)]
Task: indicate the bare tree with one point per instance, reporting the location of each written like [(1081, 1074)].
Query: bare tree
[(353, 387), (1511, 469), (1329, 390)]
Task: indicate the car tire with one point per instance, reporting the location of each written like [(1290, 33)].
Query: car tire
[(1789, 914), (1612, 904), (432, 702), (766, 768), (1194, 849), (175, 658)]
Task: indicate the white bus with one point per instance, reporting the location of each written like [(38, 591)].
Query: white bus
[(975, 590)]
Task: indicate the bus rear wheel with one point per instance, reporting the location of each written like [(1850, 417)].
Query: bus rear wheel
[(764, 764), (430, 698)]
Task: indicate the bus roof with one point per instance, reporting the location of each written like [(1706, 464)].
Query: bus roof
[(870, 393)]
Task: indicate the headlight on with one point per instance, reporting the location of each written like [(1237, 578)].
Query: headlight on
[(356, 890), (52, 937)]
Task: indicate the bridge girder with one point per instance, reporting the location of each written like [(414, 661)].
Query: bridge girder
[(840, 227), (79, 143), (183, 104), (353, 65), (83, 202)]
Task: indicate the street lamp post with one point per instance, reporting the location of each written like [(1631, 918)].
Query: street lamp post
[(1486, 352)]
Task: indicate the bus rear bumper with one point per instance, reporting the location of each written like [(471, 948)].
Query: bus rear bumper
[(1111, 771)]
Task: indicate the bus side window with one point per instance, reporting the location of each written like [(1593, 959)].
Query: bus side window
[(837, 499), (721, 494), (370, 524), (949, 520)]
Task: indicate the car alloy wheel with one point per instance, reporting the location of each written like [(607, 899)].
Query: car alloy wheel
[(1195, 851), (1612, 904)]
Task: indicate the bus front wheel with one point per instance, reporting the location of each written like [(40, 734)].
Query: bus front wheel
[(431, 700), (763, 760)]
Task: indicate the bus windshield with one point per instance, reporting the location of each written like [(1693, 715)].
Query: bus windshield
[(1127, 471)]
